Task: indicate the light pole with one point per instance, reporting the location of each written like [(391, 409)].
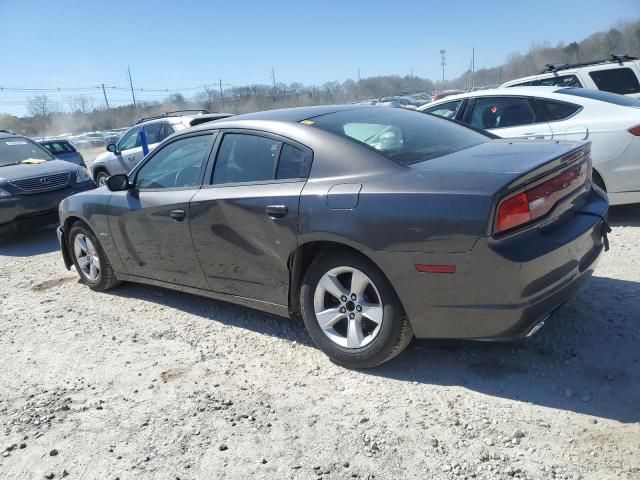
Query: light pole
[(443, 63)]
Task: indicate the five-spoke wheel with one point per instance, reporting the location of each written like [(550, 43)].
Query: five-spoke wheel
[(351, 311)]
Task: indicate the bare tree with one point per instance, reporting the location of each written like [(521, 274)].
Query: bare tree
[(40, 106)]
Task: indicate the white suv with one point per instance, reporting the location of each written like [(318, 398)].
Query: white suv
[(620, 74), (122, 156)]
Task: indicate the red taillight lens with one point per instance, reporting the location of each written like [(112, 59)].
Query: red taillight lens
[(537, 201), (635, 130), (513, 211)]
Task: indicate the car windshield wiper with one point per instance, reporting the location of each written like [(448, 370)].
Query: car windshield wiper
[(9, 164)]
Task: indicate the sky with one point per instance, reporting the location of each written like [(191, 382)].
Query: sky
[(181, 46)]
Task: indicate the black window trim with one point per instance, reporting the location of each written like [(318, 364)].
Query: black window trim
[(580, 108), (133, 175), (213, 157), (531, 101)]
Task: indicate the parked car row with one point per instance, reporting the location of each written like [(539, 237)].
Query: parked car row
[(346, 215)]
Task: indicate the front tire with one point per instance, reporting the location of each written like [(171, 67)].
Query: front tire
[(101, 178), (352, 312), (90, 260)]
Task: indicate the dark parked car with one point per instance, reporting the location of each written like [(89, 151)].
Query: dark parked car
[(32, 183), (64, 150), (373, 223)]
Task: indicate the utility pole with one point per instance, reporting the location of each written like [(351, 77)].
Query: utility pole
[(133, 95), (221, 95), (443, 62), (473, 68), (105, 96), (359, 78), (273, 77)]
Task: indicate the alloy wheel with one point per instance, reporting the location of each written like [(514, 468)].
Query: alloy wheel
[(87, 257), (348, 307)]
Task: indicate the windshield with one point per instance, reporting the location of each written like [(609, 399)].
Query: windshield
[(404, 136), (17, 149)]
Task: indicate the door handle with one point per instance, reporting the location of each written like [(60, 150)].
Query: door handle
[(177, 215), (131, 157), (276, 211)]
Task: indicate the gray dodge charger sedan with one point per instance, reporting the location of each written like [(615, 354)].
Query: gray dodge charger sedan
[(373, 224)]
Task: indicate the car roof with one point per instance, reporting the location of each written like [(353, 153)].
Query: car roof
[(503, 92), (296, 114)]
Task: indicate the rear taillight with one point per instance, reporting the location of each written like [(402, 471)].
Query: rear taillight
[(538, 200), (635, 130)]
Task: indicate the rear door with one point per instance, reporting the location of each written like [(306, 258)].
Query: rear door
[(244, 223), (508, 117), (564, 119), (150, 222)]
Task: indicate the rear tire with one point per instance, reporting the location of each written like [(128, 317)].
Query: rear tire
[(363, 322), (90, 260)]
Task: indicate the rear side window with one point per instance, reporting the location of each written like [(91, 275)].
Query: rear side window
[(446, 110), (153, 131), (616, 80), (602, 96), (293, 163), (555, 111), (560, 81), (502, 112), (404, 136), (166, 130)]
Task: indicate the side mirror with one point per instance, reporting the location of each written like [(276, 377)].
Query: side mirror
[(118, 183), (112, 148)]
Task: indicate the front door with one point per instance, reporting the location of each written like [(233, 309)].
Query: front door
[(150, 222), (244, 224), (509, 117)]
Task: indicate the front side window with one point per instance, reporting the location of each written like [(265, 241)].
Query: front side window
[(502, 112), (130, 140), (176, 165), (404, 136), (616, 80), (560, 81), (446, 110), (16, 149), (153, 131), (525, 84), (246, 158), (555, 111)]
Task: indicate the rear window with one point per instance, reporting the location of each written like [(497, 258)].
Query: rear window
[(16, 149), (404, 136), (602, 96), (58, 147), (616, 80)]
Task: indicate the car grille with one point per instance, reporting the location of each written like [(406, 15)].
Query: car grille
[(44, 183)]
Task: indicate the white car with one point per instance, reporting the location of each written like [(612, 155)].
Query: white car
[(610, 121), (620, 74), (122, 156)]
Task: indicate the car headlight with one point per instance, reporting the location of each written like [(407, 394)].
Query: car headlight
[(4, 193), (82, 175)]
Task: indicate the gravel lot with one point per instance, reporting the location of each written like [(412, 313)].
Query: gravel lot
[(148, 383)]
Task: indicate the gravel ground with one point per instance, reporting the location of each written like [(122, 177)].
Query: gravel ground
[(148, 383)]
